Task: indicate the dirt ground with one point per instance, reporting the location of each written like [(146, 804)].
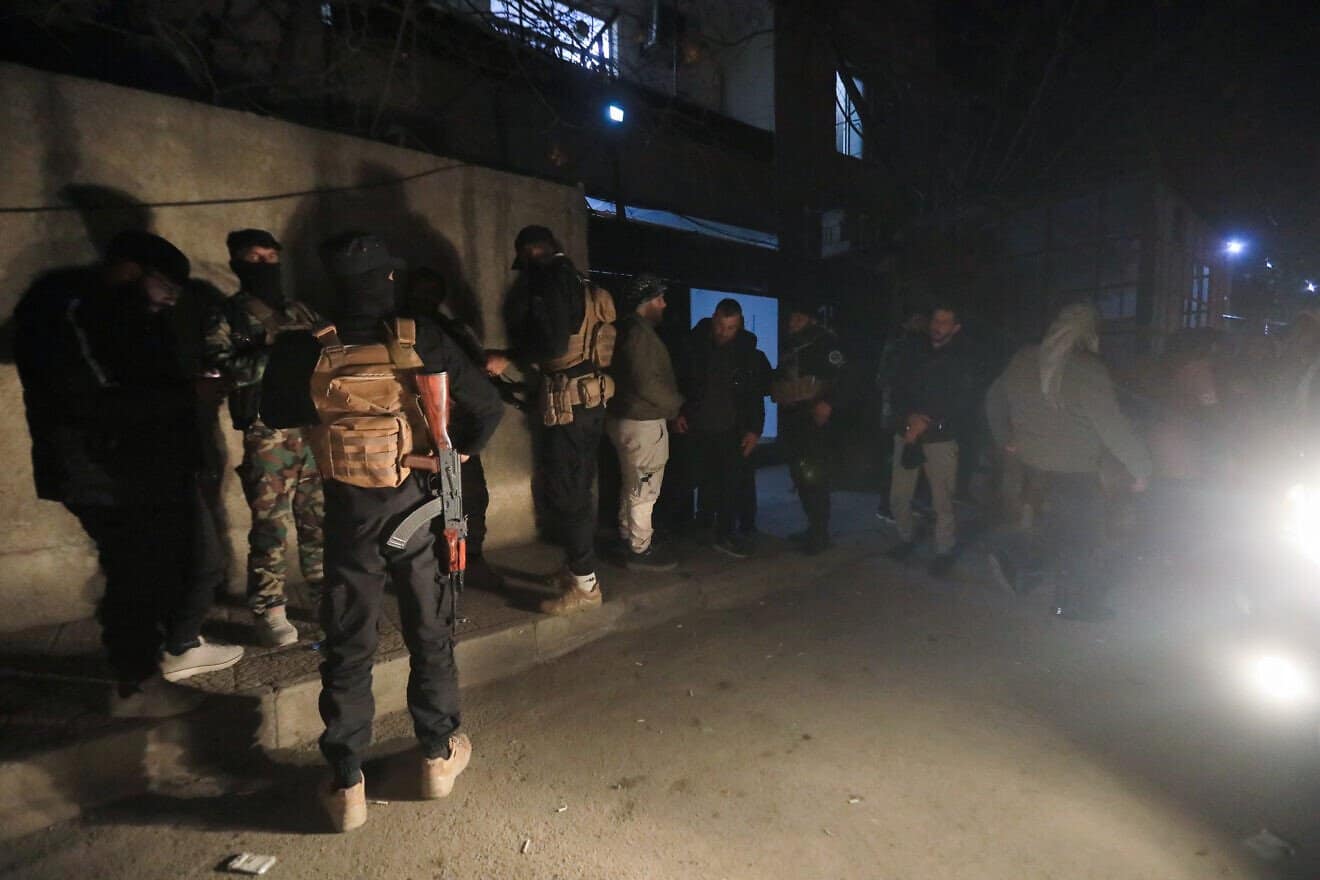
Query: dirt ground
[(875, 725)]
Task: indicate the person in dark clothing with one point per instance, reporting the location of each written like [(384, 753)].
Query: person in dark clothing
[(724, 379), (359, 519), (428, 297), (114, 423), (932, 402), (563, 324), (806, 387), (910, 335)]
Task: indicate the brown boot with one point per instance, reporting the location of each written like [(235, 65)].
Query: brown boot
[(346, 807), (581, 593), (438, 774)]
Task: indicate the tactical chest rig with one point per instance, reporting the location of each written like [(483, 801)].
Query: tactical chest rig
[(592, 344), (366, 398), (275, 322)]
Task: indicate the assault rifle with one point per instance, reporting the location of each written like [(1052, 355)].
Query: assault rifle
[(446, 481)]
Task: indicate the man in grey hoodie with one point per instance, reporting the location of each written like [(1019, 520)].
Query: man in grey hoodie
[(646, 398), (1054, 408)]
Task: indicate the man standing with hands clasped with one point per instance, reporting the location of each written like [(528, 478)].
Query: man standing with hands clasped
[(725, 379), (931, 398)]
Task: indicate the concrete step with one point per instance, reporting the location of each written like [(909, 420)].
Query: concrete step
[(268, 703)]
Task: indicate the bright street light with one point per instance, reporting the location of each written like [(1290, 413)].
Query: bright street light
[(1234, 247), (1310, 287), (614, 113)]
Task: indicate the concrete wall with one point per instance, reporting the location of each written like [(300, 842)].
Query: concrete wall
[(65, 141)]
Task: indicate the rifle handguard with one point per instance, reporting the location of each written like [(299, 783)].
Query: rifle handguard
[(428, 463)]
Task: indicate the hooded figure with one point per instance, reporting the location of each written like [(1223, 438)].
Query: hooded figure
[(1055, 409)]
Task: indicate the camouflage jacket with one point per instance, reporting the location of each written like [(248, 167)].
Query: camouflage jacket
[(239, 334)]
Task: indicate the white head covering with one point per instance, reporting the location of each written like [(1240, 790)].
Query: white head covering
[(1076, 329)]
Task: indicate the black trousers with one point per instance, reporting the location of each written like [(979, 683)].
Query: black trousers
[(163, 563), (568, 468), (1075, 541), (476, 500), (357, 567), (810, 450), (724, 478)]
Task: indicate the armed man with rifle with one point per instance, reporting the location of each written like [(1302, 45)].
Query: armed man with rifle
[(564, 325), (380, 388)]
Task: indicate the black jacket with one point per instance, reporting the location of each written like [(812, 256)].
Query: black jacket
[(110, 407), (543, 309), (750, 376), (938, 383)]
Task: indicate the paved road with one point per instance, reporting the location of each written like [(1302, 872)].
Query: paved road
[(870, 725)]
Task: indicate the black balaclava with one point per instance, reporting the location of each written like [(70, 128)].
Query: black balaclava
[(370, 294), (262, 280)]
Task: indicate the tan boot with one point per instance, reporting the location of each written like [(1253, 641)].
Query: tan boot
[(346, 807), (581, 593), (438, 774)]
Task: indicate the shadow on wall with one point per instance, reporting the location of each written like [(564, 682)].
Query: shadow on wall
[(379, 206)]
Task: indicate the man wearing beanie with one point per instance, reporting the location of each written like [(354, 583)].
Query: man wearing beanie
[(112, 412), (646, 398), (278, 473)]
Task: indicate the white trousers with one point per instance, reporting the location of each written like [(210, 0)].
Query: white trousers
[(643, 448)]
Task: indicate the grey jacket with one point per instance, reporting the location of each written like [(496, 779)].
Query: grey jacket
[(645, 387), (1071, 437)]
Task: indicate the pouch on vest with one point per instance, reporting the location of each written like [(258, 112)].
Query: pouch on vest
[(594, 340), (367, 403), (560, 393)]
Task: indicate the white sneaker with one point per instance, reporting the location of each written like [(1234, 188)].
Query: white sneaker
[(274, 629), (206, 657), (155, 698)]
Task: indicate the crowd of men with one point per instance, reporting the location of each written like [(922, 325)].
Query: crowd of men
[(345, 423), (340, 443)]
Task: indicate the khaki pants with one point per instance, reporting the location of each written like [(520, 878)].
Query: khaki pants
[(643, 448), (942, 473)]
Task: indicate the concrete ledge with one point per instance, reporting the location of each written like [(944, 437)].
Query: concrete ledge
[(47, 787)]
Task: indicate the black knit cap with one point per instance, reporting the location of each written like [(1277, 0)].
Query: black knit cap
[(356, 253), (151, 252), (642, 288), (533, 235), (241, 239)]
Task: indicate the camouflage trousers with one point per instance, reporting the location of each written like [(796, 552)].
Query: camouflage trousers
[(281, 483)]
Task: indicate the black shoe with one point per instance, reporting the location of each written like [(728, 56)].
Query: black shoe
[(901, 551), (1003, 572), (653, 558), (734, 546), (883, 514), (941, 565)]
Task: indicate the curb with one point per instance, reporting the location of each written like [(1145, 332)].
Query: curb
[(45, 788)]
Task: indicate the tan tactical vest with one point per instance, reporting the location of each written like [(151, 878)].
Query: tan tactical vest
[(367, 401), (594, 340), (593, 343)]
